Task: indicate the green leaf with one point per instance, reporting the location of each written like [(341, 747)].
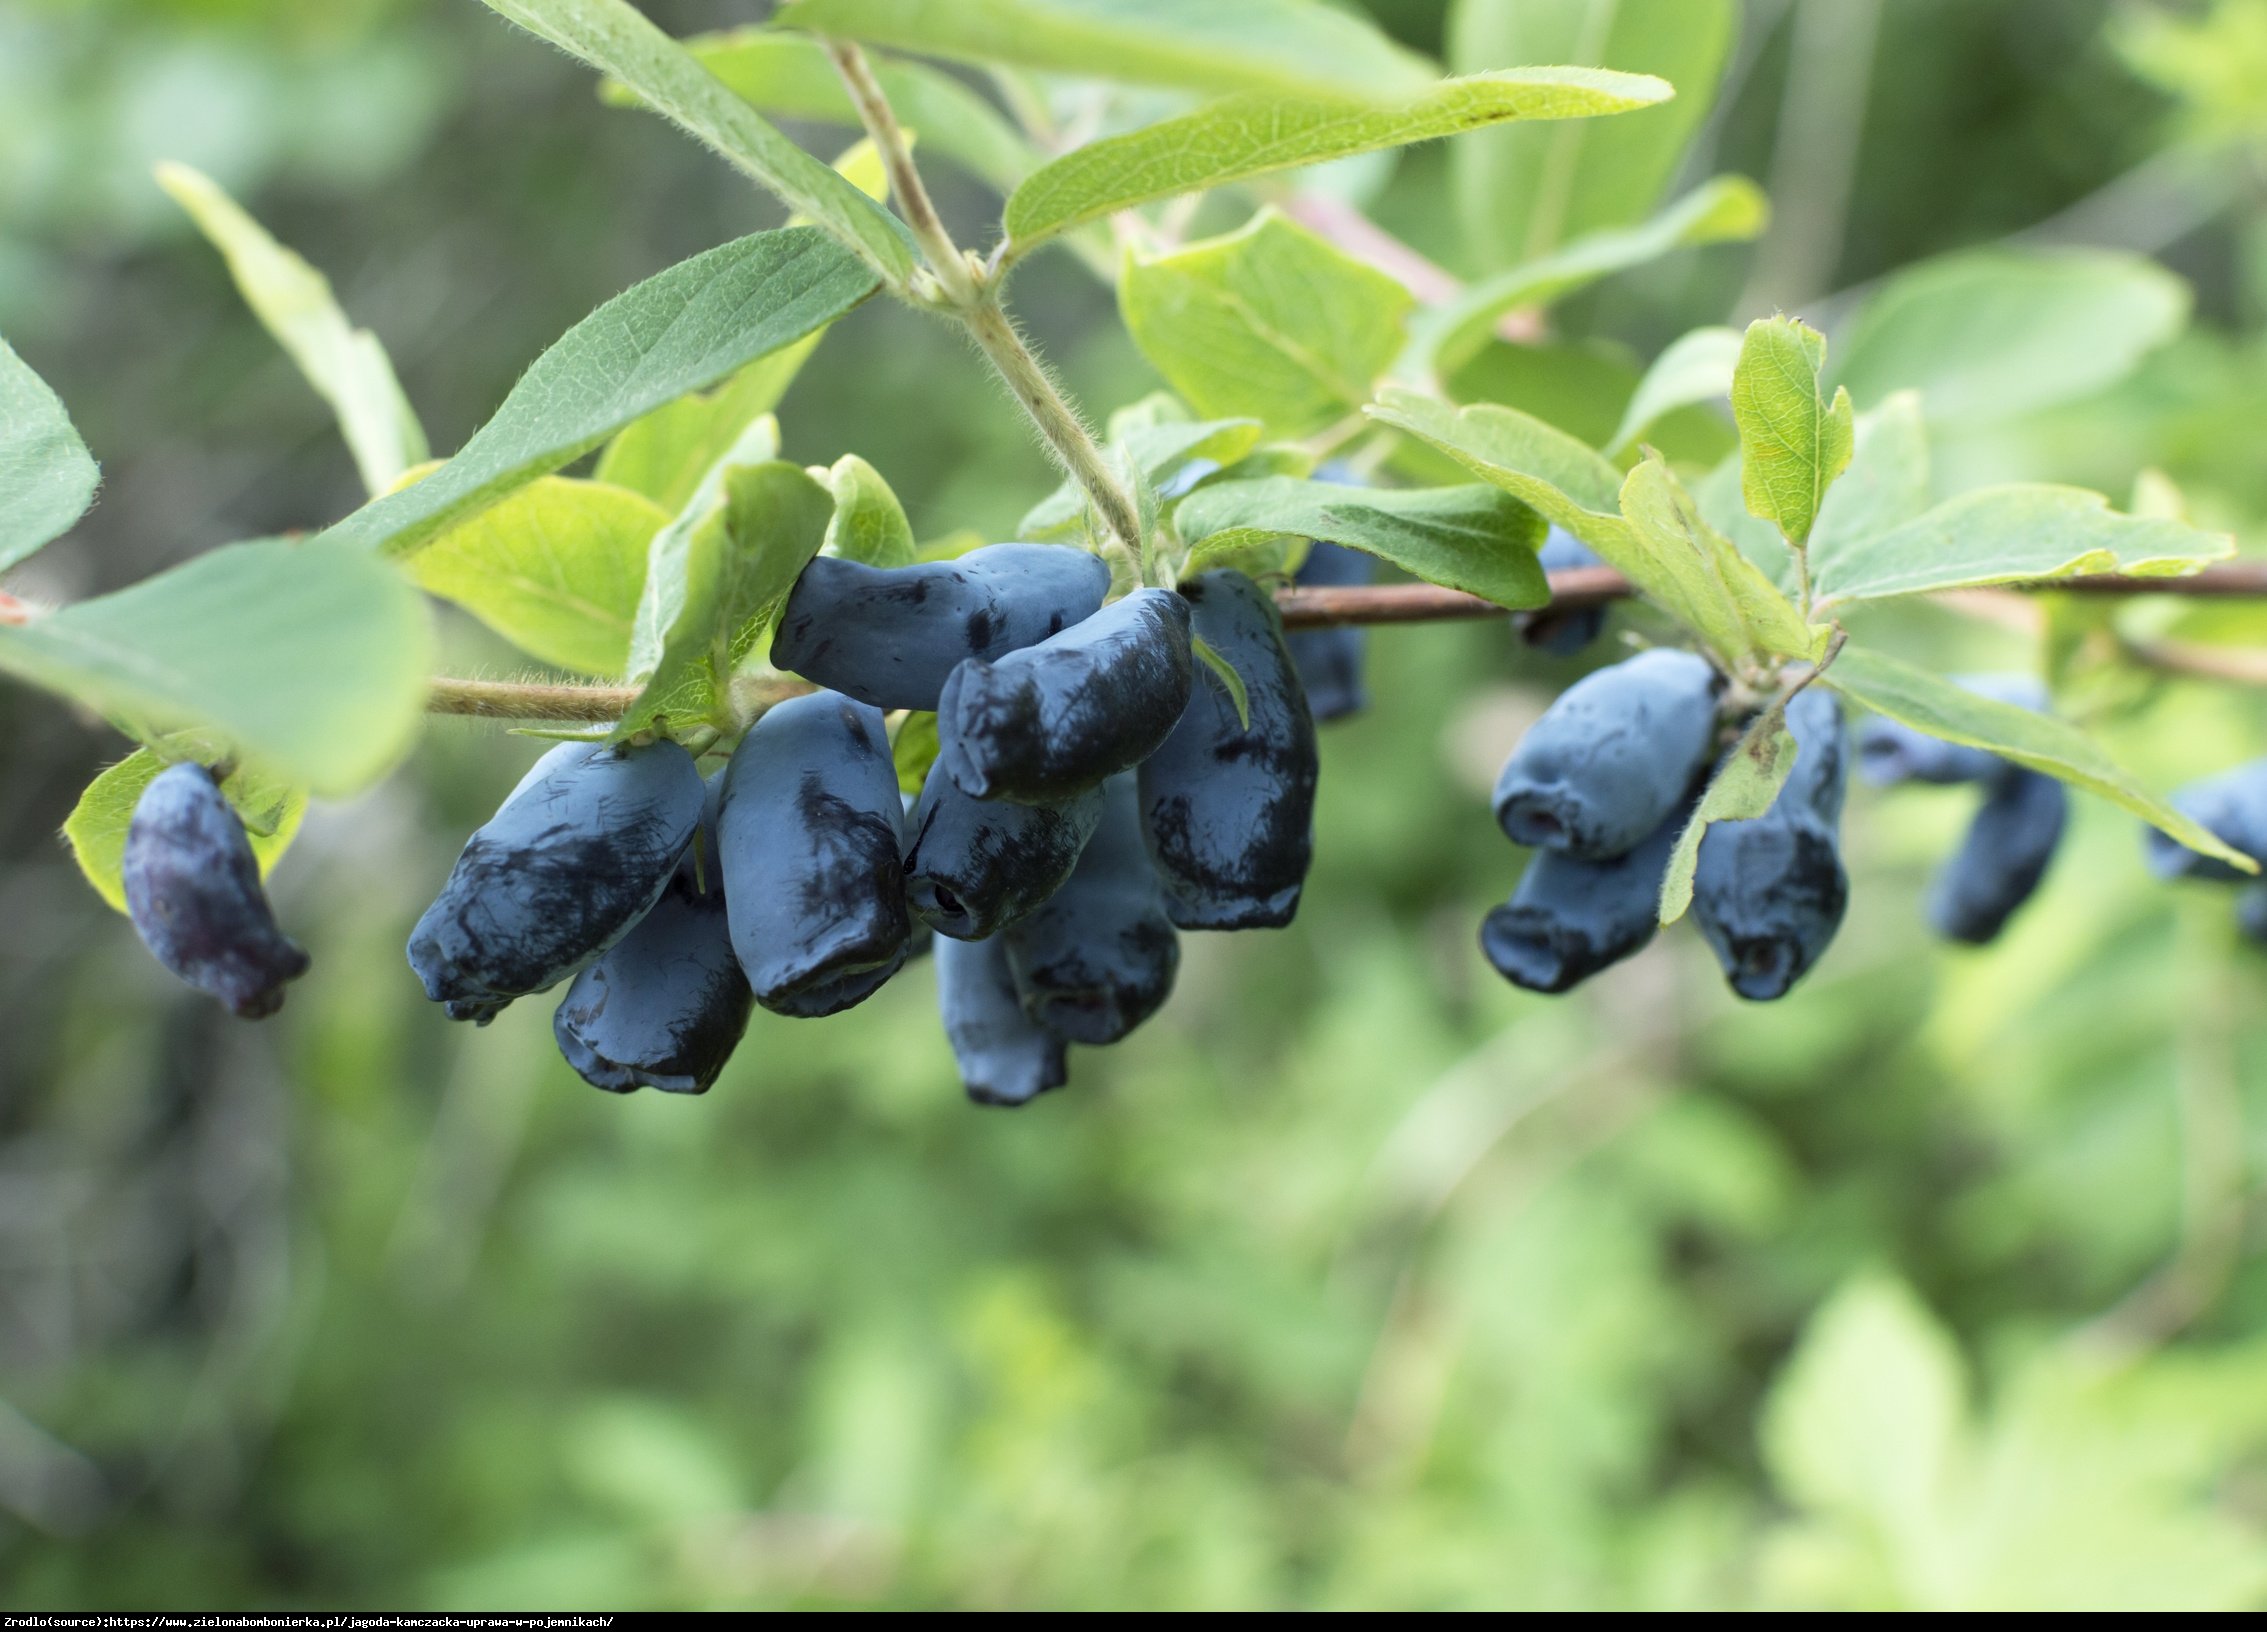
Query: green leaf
[(1869, 1419), (789, 76), (914, 748), (1727, 209), (47, 477), (1230, 680), (1157, 450), (715, 582), (1699, 575), (1794, 441), (868, 524), (2038, 741), (311, 661), (1992, 333), (347, 366), (679, 331), (1885, 486), (1289, 46), (1258, 133), (96, 827), (1696, 368), (616, 38), (1522, 193), (1271, 321), (1743, 788), (1470, 538), (665, 454), (2015, 534), (556, 569)]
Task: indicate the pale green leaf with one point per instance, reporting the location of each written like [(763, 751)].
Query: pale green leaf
[(1743, 788), (1700, 576), (96, 828), (665, 454), (310, 660), (789, 76), (1472, 538), (717, 578), (681, 330), (1292, 46), (556, 569), (1869, 1418), (1992, 333), (47, 477), (1258, 133), (1794, 439), (2038, 741), (618, 40), (1521, 193), (2015, 534), (347, 366), (1270, 322), (1885, 486), (914, 747), (1726, 209), (868, 524), (1695, 368), (1230, 681), (1157, 450)]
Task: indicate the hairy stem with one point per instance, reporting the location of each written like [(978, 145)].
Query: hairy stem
[(974, 298)]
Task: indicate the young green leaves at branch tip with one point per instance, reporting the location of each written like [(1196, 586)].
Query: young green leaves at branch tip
[(347, 366), (679, 331), (1794, 439), (1256, 134), (617, 39), (47, 477)]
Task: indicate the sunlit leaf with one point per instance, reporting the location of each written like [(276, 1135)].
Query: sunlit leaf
[(96, 828), (1794, 439), (868, 524)]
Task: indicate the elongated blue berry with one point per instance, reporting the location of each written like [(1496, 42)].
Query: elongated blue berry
[(809, 843), (1005, 1057), (1330, 660), (193, 892), (1769, 893), (667, 1004), (2232, 807), (1229, 807), (1053, 720), (2003, 858), (890, 636), (1569, 918), (1562, 634), (975, 866), (570, 862), (1099, 958), (1612, 757), (1891, 752)]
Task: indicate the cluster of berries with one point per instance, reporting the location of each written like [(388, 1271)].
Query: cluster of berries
[(1094, 792), (1602, 785)]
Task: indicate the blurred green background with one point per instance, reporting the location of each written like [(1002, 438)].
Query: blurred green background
[(1357, 1278)]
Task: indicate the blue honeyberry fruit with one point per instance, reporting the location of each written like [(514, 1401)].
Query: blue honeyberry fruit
[(1612, 757), (1005, 1057), (193, 892), (809, 845), (1229, 808), (1053, 720), (2003, 858), (1099, 958), (1769, 893), (1562, 634), (1569, 918), (1330, 660), (668, 1003), (975, 866), (2232, 807), (565, 868), (890, 636), (1891, 752)]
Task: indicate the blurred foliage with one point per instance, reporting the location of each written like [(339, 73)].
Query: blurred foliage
[(1357, 1278)]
